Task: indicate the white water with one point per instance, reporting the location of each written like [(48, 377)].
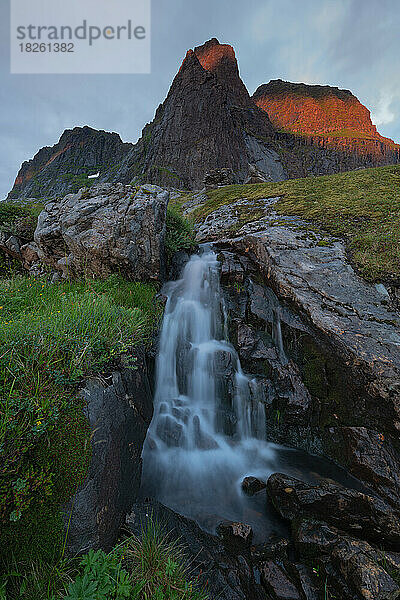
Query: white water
[(208, 428)]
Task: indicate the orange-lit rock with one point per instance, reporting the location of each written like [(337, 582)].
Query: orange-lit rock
[(327, 116)]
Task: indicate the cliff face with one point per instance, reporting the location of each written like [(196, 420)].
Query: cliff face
[(208, 121), (64, 167), (327, 116)]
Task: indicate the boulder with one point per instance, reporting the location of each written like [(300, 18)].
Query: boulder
[(352, 567), (277, 583), (236, 537), (256, 176), (252, 485), (104, 229), (218, 177), (363, 515), (119, 411)]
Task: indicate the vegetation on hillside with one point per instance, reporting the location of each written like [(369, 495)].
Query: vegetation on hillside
[(180, 233), (147, 567), (361, 206), (51, 336)]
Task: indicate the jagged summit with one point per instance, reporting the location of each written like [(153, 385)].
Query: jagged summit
[(209, 121)]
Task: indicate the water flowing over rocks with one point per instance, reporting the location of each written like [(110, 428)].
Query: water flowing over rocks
[(107, 228)]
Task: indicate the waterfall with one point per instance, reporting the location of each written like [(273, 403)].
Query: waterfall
[(208, 428)]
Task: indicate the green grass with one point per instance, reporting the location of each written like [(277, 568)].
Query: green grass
[(180, 232), (361, 206), (51, 337), (149, 567)]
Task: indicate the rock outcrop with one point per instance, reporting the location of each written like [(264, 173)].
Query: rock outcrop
[(328, 117), (64, 167), (119, 410), (108, 228), (357, 513)]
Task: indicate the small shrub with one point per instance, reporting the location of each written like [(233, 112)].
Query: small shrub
[(180, 233), (102, 578)]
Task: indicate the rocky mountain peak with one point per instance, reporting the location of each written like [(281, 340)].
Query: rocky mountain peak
[(332, 114)]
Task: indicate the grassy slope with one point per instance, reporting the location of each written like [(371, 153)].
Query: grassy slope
[(51, 336), (362, 206)]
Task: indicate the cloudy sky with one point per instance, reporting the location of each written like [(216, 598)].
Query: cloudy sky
[(353, 44)]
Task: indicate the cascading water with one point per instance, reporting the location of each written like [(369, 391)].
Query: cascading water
[(208, 428)]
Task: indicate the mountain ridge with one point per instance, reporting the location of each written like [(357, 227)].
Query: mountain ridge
[(209, 121)]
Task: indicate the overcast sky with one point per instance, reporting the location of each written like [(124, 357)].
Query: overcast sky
[(352, 44)]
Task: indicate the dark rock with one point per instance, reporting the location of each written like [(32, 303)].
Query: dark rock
[(368, 456), (252, 485), (350, 564), (222, 575), (305, 582), (170, 431), (106, 229), (178, 263), (313, 538), (277, 583), (63, 168), (218, 177), (364, 516), (203, 441), (119, 411), (362, 573), (209, 111), (274, 550), (237, 537), (343, 312)]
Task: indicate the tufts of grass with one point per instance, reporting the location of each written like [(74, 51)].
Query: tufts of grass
[(158, 566), (149, 567), (180, 233), (362, 206)]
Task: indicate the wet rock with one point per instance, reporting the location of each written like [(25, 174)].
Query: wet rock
[(170, 431), (368, 455), (232, 270), (236, 537), (119, 411), (277, 583), (362, 573), (252, 485), (221, 574), (178, 263), (202, 440), (364, 516), (343, 312), (107, 228), (305, 583), (350, 564), (275, 550)]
